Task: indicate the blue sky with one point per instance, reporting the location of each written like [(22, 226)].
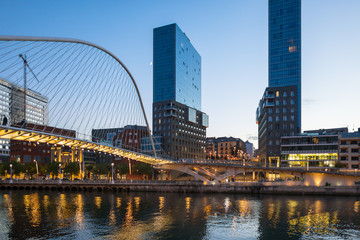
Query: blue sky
[(231, 37)]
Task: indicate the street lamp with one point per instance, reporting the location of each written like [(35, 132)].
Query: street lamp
[(11, 173), (59, 172), (112, 173), (37, 170)]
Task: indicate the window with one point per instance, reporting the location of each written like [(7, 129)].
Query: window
[(292, 117), (277, 110), (284, 118), (354, 150), (277, 93), (343, 158), (284, 102), (284, 110), (270, 119), (343, 150), (292, 93), (354, 158), (277, 102), (353, 142), (270, 110), (292, 110), (292, 102), (284, 94), (277, 118)]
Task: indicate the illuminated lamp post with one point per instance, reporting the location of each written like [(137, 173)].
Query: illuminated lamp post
[(112, 173), (37, 170), (11, 173), (59, 172)]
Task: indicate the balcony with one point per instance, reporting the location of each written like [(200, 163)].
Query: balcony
[(269, 104), (171, 107), (268, 96), (170, 114)]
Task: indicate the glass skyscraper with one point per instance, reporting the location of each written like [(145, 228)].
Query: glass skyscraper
[(177, 115), (285, 46), (177, 67), (279, 111)]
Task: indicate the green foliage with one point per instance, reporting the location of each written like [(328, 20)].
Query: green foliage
[(123, 168), (89, 168), (30, 169), (2, 169), (142, 168), (340, 165), (72, 168), (102, 168), (53, 168)]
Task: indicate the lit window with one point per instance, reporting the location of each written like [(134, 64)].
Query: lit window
[(292, 49), (277, 93)]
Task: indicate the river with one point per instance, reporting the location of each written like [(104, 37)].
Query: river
[(108, 215)]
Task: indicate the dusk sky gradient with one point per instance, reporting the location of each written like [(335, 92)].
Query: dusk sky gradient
[(231, 37)]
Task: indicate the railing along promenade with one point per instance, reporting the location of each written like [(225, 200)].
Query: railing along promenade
[(161, 186), (250, 167)]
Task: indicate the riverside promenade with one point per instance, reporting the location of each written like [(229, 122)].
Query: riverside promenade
[(285, 187)]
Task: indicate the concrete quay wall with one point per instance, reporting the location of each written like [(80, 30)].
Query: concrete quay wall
[(186, 187)]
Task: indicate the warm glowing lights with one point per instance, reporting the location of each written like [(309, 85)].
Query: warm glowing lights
[(292, 49), (244, 207), (137, 203), (356, 206), (8, 203), (161, 203), (32, 209), (98, 202), (79, 214), (207, 209), (46, 202), (118, 202), (187, 204), (129, 214)]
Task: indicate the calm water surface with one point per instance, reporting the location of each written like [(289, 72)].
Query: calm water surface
[(94, 215)]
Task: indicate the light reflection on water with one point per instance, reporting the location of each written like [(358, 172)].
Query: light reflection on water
[(78, 215)]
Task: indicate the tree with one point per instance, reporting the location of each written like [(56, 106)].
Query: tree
[(102, 168), (142, 168), (340, 165), (30, 169), (2, 169), (72, 168), (53, 168), (123, 168)]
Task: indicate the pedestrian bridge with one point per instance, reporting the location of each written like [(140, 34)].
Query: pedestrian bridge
[(20, 134)]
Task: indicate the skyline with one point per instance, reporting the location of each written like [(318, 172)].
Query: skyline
[(328, 33)]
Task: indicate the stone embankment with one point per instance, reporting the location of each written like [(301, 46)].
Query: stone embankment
[(180, 186)]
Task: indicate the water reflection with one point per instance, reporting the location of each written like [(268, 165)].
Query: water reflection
[(49, 214), (79, 213), (32, 208)]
